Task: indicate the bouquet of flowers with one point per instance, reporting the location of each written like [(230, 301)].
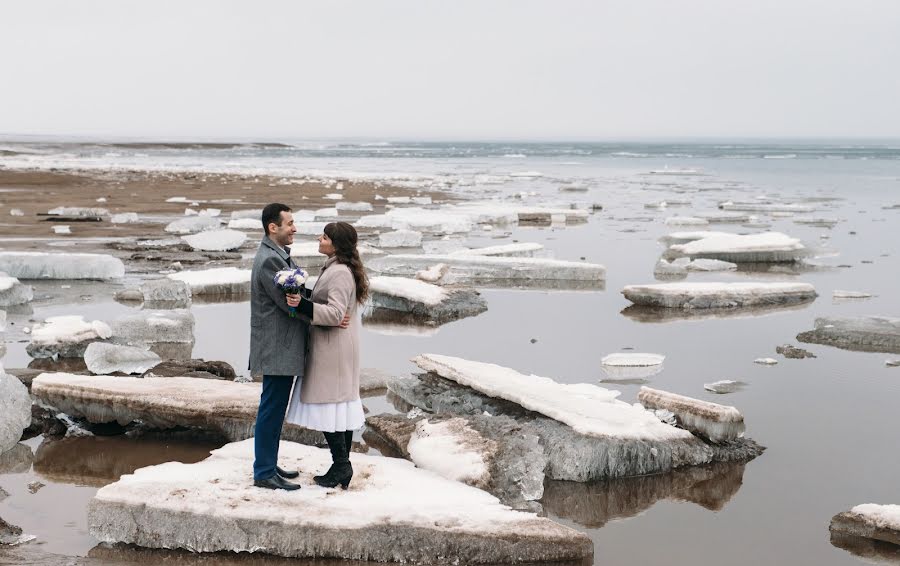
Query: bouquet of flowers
[(291, 281)]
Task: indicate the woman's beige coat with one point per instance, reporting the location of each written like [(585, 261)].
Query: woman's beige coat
[(332, 362)]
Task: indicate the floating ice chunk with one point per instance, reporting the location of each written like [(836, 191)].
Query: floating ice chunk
[(765, 361), (710, 265), (632, 365), (253, 214), (354, 207), (177, 199), (765, 247), (863, 333), (192, 224), (307, 255), (41, 265), (216, 240), (245, 224), (817, 221), (166, 291), (718, 295), (486, 268), (717, 423), (839, 294), (724, 386), (871, 521), (421, 200), (433, 274), (755, 207), (78, 211), (309, 228), (103, 358), (326, 213), (211, 507), (15, 410), (724, 217), (65, 336), (217, 281), (154, 327), (190, 212), (423, 300), (375, 221), (333, 196), (13, 292), (892, 363), (671, 269), (780, 214), (400, 239), (211, 212), (125, 218), (16, 212), (424, 220), (686, 221), (685, 237), (399, 200), (523, 249), (61, 229)]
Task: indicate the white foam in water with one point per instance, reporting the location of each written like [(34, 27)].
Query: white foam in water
[(42, 265), (216, 240), (103, 358)]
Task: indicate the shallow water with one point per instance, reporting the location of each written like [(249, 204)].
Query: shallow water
[(829, 423)]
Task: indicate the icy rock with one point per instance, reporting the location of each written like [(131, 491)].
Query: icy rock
[(424, 300), (13, 292), (864, 333), (400, 239), (211, 506), (41, 265), (686, 221), (718, 295), (216, 240), (710, 265), (245, 224), (220, 281), (765, 361), (168, 292), (793, 353), (488, 452), (15, 410), (570, 454), (196, 368), (78, 211), (839, 294), (224, 407), (306, 254), (153, 327), (523, 249), (724, 386), (354, 207), (464, 269), (433, 274), (65, 337), (632, 365), (768, 247), (871, 521), (192, 225), (60, 229), (103, 358), (125, 218), (717, 423)]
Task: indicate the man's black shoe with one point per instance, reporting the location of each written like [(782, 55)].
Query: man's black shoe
[(276, 482), (288, 475)]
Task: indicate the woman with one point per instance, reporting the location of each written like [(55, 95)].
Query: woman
[(327, 398)]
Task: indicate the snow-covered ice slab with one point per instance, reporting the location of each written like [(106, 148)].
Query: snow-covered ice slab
[(424, 300), (211, 506), (400, 239), (192, 225), (13, 292), (354, 207), (717, 423), (869, 520), (165, 291), (245, 224), (306, 254), (607, 438), (519, 249), (632, 365), (42, 265), (15, 410), (225, 407), (862, 333), (216, 240), (125, 218), (103, 358), (691, 236), (467, 269), (220, 281), (78, 211), (718, 295), (148, 327), (768, 247), (65, 336)]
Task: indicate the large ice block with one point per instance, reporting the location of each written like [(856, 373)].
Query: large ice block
[(861, 333), (871, 521), (42, 265), (65, 336), (148, 327), (424, 300), (13, 292), (192, 225), (768, 247), (216, 240), (400, 239), (219, 281), (15, 410), (718, 295), (717, 423), (103, 358), (519, 249)]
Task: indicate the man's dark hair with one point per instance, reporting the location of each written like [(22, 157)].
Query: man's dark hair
[(272, 213)]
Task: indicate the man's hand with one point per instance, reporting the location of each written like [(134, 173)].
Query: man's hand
[(293, 300), (346, 322)]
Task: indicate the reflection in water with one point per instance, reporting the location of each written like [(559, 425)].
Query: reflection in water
[(872, 551), (595, 504), (392, 328), (639, 313), (98, 461), (16, 460)]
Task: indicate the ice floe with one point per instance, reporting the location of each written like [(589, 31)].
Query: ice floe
[(192, 224), (62, 229), (211, 506), (632, 365), (685, 237), (685, 221), (13, 292), (245, 224), (840, 294), (219, 281), (103, 358), (423, 300), (166, 292), (767, 247), (15, 410), (862, 333), (724, 386), (765, 207), (147, 328), (871, 521), (765, 361), (717, 423), (307, 255), (718, 295), (400, 239), (518, 249), (125, 218), (78, 211), (354, 207), (65, 336), (216, 240), (42, 265)]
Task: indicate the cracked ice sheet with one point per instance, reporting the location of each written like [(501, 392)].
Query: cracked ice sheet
[(229, 514), (588, 409)]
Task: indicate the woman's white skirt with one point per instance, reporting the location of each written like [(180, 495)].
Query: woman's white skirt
[(325, 417)]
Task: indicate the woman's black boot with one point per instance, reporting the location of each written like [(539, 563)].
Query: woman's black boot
[(340, 471), (331, 439)]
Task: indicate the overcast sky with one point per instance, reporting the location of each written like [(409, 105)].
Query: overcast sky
[(451, 69)]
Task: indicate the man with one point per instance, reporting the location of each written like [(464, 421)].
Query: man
[(277, 344)]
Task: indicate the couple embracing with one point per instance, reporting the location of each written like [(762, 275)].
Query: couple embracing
[(306, 347)]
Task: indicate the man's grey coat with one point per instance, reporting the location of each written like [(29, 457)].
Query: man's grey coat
[(277, 341)]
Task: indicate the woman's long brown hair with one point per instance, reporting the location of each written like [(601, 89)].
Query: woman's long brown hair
[(343, 238)]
